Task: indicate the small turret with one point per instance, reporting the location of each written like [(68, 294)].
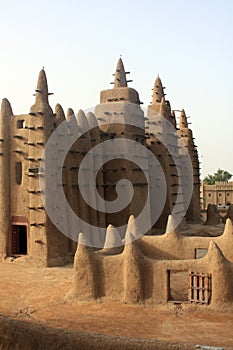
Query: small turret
[(183, 123), (158, 91), (120, 92), (42, 88), (159, 103), (82, 120), (69, 113), (42, 101), (120, 75), (60, 115), (6, 109)]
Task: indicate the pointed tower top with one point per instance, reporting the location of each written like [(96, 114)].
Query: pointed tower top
[(158, 91), (69, 114), (82, 120), (42, 102), (60, 115), (6, 109), (121, 92), (42, 87), (183, 123), (120, 75)]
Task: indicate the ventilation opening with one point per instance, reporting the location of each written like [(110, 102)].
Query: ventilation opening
[(178, 286), (20, 124), (18, 173), (200, 253), (19, 239)]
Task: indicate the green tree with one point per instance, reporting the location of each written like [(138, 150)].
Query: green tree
[(219, 175)]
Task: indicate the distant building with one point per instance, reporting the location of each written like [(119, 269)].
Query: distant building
[(221, 194)]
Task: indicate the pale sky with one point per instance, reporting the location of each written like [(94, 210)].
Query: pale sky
[(188, 43)]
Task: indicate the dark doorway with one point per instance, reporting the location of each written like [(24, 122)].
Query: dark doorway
[(178, 285), (19, 239)]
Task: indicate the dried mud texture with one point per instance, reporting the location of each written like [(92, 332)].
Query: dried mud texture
[(140, 272), (35, 316), (16, 334)]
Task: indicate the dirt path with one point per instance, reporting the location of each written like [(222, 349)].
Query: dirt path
[(36, 295)]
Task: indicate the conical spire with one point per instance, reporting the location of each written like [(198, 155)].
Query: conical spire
[(41, 104), (42, 88), (120, 75), (183, 123), (158, 91), (6, 109)]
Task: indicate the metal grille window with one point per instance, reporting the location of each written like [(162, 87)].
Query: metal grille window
[(199, 288)]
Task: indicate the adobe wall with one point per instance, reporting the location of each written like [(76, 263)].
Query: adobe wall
[(138, 274), (126, 121), (173, 245)]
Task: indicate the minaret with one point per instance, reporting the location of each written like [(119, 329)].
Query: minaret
[(41, 124), (183, 122), (159, 103), (158, 91), (119, 116), (161, 133), (42, 102), (120, 76), (5, 191), (120, 92), (193, 212)]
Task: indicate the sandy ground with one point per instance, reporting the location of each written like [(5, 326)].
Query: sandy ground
[(34, 314), (36, 295)]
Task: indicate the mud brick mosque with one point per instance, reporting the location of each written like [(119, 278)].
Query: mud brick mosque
[(25, 228)]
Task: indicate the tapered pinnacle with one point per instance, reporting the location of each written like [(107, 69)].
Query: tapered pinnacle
[(183, 123), (158, 91), (120, 76), (42, 88)]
